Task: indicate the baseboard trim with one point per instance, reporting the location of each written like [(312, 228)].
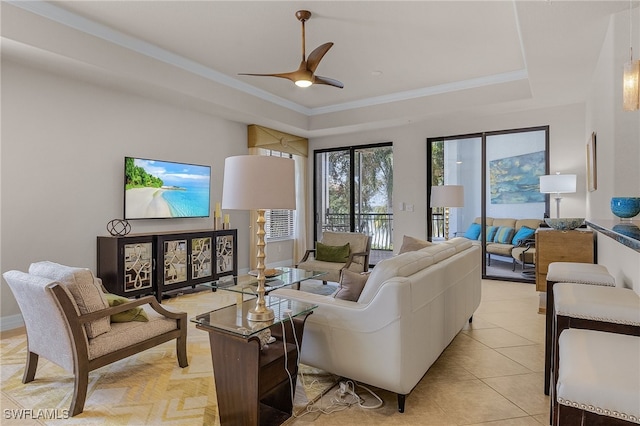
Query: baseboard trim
[(10, 322)]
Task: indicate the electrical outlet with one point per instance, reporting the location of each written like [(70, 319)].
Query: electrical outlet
[(343, 388)]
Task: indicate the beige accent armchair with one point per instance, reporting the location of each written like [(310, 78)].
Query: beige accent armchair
[(57, 330), (359, 245)]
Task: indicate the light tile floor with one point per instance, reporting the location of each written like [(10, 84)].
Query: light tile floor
[(491, 374)]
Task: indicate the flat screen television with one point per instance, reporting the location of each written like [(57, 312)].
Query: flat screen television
[(156, 189)]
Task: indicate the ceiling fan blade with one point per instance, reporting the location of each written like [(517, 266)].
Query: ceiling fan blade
[(287, 75), (328, 81), (316, 56)]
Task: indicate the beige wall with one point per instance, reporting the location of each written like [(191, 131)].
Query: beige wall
[(63, 148), (618, 145)]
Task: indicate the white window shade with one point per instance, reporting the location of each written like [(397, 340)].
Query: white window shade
[(279, 224)]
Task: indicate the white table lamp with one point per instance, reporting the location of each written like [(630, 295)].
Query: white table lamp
[(447, 196), (557, 184), (256, 182)]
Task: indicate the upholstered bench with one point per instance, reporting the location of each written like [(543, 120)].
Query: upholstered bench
[(572, 272), (598, 379), (592, 307)]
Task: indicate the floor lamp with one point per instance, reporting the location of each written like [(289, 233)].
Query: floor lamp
[(447, 196), (256, 182), (557, 184)]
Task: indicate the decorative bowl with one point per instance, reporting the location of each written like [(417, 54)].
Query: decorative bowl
[(625, 207), (564, 223)]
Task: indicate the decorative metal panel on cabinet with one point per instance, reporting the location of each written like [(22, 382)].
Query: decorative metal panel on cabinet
[(226, 253), (183, 259), (125, 265)]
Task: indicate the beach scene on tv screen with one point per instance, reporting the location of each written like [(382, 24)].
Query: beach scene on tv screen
[(162, 189)]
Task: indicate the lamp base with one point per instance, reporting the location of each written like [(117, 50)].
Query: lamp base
[(260, 315)]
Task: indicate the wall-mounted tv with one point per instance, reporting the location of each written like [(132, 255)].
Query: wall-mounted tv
[(156, 189)]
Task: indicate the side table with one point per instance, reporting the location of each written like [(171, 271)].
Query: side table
[(252, 384)]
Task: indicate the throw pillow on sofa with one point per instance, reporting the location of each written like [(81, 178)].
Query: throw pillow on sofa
[(338, 254), (133, 314), (523, 233), (490, 234), (412, 244), (473, 232), (351, 285), (504, 235)]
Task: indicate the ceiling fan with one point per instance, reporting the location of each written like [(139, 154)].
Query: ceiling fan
[(305, 76)]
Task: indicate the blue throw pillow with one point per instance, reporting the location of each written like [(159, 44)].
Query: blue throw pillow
[(473, 232), (523, 233), (504, 235), (491, 232)]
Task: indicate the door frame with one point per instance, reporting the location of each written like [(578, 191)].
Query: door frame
[(483, 198)]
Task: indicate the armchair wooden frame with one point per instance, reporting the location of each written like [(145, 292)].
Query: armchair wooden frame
[(82, 365), (364, 255), (530, 245)]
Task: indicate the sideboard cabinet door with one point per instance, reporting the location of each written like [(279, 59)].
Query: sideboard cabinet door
[(125, 265)]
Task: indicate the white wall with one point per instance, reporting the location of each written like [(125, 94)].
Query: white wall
[(63, 148), (618, 145), (410, 156)]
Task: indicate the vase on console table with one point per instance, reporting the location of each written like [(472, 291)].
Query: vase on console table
[(625, 207)]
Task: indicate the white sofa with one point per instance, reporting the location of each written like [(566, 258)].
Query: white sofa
[(410, 309)]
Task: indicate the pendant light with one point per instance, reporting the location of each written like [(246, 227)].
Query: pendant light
[(631, 77)]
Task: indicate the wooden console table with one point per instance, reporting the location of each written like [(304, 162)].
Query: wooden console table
[(252, 385), (561, 246)]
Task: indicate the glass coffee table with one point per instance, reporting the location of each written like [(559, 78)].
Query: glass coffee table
[(248, 284)]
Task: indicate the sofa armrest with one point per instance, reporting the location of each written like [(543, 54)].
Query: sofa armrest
[(306, 256), (365, 263), (528, 243), (146, 300), (74, 317), (387, 307)]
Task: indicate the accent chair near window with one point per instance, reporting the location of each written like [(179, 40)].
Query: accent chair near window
[(337, 250)]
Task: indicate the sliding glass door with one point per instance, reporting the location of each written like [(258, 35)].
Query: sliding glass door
[(500, 173), (353, 192), (456, 161)]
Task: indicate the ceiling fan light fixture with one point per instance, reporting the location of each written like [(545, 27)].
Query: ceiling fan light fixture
[(631, 75), (305, 76), (303, 83), (631, 86)]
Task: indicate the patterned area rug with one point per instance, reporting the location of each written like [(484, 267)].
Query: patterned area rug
[(145, 389)]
